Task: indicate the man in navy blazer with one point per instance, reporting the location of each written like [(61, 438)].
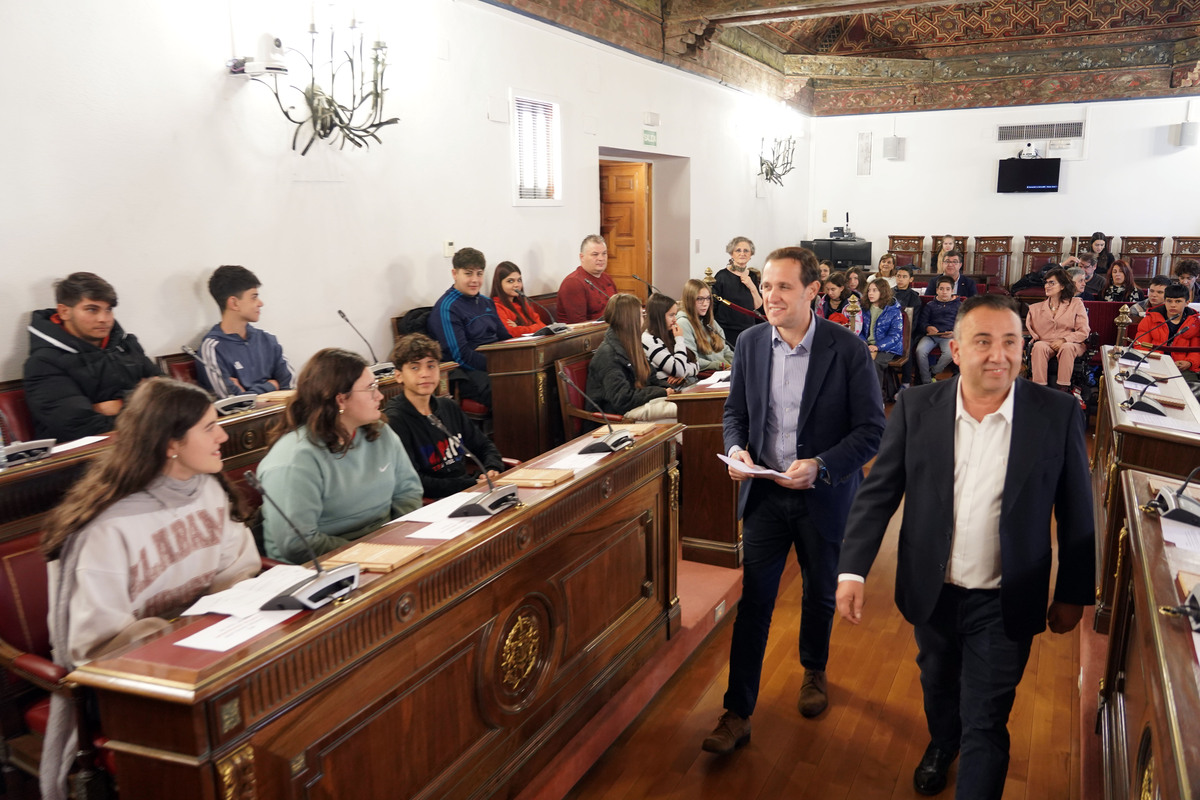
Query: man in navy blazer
[(804, 400), (981, 463), (952, 267)]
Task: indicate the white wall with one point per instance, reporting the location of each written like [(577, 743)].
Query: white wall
[(1131, 179), (129, 152)]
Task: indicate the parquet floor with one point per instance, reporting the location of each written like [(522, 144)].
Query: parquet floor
[(868, 742)]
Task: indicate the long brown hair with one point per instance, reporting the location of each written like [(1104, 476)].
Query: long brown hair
[(707, 339), (656, 319), (1121, 266), (623, 313), (158, 412), (886, 295), (327, 374), (525, 315)]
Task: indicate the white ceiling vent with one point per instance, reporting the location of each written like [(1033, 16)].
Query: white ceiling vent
[(1041, 130)]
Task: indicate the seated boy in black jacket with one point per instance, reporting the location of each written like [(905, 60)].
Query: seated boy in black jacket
[(439, 460)]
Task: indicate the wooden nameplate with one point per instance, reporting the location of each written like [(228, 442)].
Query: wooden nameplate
[(373, 557), (530, 478)]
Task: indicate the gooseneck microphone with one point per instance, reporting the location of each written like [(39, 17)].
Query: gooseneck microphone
[(550, 329), (13, 451), (497, 498), (380, 369), (324, 587), (648, 284), (1176, 505), (607, 296), (615, 440)]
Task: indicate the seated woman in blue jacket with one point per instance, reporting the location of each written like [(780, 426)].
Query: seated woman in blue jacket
[(883, 326)]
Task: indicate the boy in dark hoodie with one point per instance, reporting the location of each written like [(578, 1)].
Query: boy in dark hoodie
[(236, 357), (439, 459), (81, 362)]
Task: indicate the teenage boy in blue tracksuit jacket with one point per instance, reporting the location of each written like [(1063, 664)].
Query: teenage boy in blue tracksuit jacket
[(235, 357), (462, 319)]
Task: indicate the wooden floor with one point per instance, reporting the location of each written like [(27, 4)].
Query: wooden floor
[(868, 742)]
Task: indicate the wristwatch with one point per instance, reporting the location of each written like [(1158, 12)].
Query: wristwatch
[(822, 471)]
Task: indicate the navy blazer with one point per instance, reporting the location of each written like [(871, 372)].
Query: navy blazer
[(840, 419), (966, 286), (1047, 473)]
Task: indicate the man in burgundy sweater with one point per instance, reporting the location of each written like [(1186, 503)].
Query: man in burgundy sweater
[(583, 294)]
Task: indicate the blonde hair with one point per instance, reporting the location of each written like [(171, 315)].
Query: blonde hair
[(623, 313), (707, 339)]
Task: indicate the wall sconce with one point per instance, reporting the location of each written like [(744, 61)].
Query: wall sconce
[(355, 119), (780, 163)]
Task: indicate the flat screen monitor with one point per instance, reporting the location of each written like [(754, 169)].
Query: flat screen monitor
[(1028, 175), (842, 252)]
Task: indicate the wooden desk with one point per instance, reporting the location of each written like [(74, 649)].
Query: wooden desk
[(1120, 444), (458, 675), (525, 414), (712, 532), (1149, 704), (28, 491)]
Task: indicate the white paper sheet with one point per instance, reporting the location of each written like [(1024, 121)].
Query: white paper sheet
[(246, 598), (232, 631), (1181, 535), (1166, 423), (758, 472), (720, 376), (576, 461), (446, 528), (438, 511), (1136, 388), (84, 442)]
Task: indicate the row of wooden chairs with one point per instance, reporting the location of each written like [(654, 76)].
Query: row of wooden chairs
[(992, 256)]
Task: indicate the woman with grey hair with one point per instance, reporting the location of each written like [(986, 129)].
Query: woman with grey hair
[(737, 284)]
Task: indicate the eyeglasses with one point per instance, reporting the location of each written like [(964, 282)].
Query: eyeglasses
[(374, 387), (703, 299)]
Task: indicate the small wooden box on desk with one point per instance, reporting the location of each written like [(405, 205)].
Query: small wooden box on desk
[(1123, 444), (1149, 705), (525, 414), (457, 675), (712, 532)]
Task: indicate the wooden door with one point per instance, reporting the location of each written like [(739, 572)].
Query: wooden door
[(625, 224)]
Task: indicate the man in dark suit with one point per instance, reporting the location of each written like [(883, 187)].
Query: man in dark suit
[(981, 463), (952, 267), (804, 400)]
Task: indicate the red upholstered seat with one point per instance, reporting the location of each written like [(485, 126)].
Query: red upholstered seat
[(180, 366), (576, 411), (473, 408), (37, 716), (12, 403)]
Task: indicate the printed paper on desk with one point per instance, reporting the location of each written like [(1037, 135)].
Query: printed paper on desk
[(229, 633), (84, 442), (720, 376), (577, 461), (438, 511), (244, 599), (1136, 388), (1167, 423), (1183, 536), (446, 528)]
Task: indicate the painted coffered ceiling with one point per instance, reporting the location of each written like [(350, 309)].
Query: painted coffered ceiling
[(831, 57)]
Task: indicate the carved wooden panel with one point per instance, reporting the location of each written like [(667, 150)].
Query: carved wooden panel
[(1143, 254), (908, 250), (1082, 244), (1039, 251)]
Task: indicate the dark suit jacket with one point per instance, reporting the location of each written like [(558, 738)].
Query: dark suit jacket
[(1047, 472), (966, 287), (840, 418)]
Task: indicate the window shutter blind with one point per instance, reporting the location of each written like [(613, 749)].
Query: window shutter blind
[(536, 149)]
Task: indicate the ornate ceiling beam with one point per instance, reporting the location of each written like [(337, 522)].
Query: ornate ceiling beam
[(738, 12)]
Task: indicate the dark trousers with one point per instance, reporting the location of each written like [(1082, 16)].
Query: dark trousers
[(969, 675), (473, 384), (775, 521)]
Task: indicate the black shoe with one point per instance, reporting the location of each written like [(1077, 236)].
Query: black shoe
[(930, 776)]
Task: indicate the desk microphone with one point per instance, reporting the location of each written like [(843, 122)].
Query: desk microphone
[(497, 498), (615, 440), (552, 328), (13, 451), (380, 369), (1129, 354), (1143, 403), (648, 284), (1178, 506), (320, 589), (607, 296)]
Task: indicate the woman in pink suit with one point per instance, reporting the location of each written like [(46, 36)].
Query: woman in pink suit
[(1059, 326)]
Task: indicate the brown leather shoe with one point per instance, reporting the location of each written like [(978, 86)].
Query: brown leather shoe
[(813, 698), (731, 733)]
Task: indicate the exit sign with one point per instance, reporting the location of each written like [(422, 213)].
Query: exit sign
[(650, 137)]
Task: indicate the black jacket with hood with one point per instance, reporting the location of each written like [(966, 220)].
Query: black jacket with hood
[(440, 462), (65, 376)]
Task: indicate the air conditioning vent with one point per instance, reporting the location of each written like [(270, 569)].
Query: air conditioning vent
[(1042, 130)]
